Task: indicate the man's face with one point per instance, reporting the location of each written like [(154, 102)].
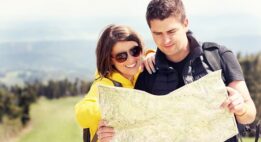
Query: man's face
[(170, 35)]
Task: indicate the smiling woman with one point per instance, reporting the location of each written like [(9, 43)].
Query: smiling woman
[(119, 56)]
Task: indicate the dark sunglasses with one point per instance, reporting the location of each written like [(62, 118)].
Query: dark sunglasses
[(123, 56)]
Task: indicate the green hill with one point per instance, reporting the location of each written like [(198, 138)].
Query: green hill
[(53, 121)]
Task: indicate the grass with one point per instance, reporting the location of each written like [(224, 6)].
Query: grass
[(9, 129), (250, 140), (53, 121)]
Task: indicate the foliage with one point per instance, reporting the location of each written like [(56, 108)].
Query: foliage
[(15, 101), (251, 66)]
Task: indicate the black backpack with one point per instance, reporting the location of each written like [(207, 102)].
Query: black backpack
[(86, 131)]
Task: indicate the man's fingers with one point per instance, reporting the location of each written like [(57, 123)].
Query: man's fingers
[(231, 91), (225, 103), (234, 104), (237, 108), (237, 105), (236, 100)]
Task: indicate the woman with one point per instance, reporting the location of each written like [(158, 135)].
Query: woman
[(119, 58)]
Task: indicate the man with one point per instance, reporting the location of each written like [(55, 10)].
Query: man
[(180, 60)]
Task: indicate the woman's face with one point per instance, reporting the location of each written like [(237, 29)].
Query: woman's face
[(126, 57)]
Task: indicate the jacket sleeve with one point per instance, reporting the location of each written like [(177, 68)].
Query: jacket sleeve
[(87, 110)]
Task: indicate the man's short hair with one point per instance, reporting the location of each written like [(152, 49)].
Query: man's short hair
[(162, 9)]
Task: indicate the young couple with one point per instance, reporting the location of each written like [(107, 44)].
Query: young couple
[(179, 60)]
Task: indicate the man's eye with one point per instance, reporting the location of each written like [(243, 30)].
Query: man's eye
[(172, 32), (157, 33)]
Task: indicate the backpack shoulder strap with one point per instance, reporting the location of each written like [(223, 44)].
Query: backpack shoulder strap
[(86, 135), (115, 83), (257, 131), (212, 55)]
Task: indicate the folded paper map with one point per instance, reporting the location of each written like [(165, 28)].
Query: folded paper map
[(191, 113)]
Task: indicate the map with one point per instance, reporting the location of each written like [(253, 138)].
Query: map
[(191, 113)]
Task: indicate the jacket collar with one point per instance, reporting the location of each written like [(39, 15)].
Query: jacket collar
[(195, 51), (195, 47), (116, 76), (124, 81), (161, 60)]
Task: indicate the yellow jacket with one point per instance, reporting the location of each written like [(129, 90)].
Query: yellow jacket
[(87, 110)]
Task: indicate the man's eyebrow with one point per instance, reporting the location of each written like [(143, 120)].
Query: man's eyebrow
[(172, 30), (156, 32)]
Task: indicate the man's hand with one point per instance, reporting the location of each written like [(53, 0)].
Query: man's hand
[(235, 102), (105, 133)]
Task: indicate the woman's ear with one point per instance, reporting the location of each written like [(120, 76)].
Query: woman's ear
[(112, 62)]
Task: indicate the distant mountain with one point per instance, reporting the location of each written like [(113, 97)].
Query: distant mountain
[(52, 55), (20, 77), (27, 61)]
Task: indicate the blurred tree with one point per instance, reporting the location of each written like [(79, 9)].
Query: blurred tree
[(251, 66)]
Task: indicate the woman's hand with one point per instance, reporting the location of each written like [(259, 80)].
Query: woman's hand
[(105, 133), (149, 62)]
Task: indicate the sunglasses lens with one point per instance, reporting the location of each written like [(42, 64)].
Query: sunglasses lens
[(135, 52), (121, 57)]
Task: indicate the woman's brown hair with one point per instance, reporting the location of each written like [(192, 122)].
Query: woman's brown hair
[(109, 37)]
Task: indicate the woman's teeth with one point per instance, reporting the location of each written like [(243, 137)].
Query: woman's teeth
[(131, 66)]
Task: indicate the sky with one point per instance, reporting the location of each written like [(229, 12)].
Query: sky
[(84, 19), (37, 9)]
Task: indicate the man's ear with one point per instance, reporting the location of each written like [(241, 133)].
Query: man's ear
[(186, 22)]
